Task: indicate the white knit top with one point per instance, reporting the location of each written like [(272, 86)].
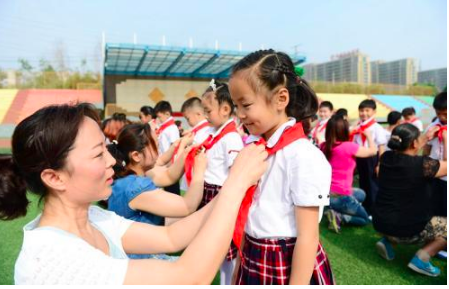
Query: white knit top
[(52, 256)]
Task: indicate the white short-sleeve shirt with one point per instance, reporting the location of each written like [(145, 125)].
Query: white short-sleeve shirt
[(167, 136), (221, 156), (377, 132), (418, 124), (52, 256), (437, 147), (320, 131), (200, 136), (298, 175)]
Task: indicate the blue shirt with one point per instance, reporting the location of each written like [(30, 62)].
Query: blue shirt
[(124, 190)]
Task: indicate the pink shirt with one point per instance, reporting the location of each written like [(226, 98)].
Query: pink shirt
[(343, 164)]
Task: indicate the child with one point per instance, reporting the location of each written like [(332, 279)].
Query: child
[(135, 193), (324, 112), (147, 115), (368, 167), (403, 210), (409, 115), (280, 221), (393, 120), (435, 149), (345, 201), (222, 146), (167, 134), (343, 112), (193, 112)]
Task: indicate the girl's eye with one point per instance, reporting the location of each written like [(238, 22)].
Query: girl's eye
[(100, 155), (247, 105)]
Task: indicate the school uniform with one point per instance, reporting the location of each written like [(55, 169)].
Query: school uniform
[(297, 175), (368, 180), (201, 131), (318, 133), (416, 122), (167, 134), (220, 157), (439, 186)]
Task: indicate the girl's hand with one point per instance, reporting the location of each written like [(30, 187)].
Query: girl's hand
[(200, 162), (250, 165)]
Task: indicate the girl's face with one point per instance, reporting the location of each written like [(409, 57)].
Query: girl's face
[(147, 159), (215, 113), (88, 173), (259, 115), (324, 113), (145, 118)]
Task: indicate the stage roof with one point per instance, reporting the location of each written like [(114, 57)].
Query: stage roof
[(172, 62)]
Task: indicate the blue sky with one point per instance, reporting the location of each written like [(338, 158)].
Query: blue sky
[(384, 29)]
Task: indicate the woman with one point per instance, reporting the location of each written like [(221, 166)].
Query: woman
[(345, 201), (59, 153), (403, 208)]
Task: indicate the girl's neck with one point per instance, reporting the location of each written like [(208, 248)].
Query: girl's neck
[(271, 131), (137, 169)]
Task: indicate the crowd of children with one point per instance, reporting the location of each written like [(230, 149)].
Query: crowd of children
[(176, 188)]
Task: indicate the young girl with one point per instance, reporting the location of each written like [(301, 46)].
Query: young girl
[(345, 201), (281, 243), (136, 193), (59, 155), (222, 147)]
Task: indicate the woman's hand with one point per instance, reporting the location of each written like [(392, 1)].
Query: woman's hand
[(200, 162), (187, 139), (250, 165), (430, 134)]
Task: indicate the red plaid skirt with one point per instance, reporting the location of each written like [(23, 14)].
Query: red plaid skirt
[(210, 191), (269, 262)]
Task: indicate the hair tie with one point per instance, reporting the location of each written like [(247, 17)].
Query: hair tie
[(115, 142), (123, 164), (396, 137), (213, 85)]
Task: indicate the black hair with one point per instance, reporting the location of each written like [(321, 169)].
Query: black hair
[(337, 130), (408, 111), (367, 103), (148, 110), (440, 101), (163, 106), (190, 103), (119, 116), (403, 136), (132, 137), (222, 95), (41, 141), (342, 112), (327, 104), (393, 117), (271, 69)]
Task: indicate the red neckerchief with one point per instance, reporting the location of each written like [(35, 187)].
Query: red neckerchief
[(207, 144), (439, 133), (315, 132), (165, 125), (412, 120), (360, 130), (289, 135), (194, 131)]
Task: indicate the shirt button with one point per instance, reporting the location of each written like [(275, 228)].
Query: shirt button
[(320, 196)]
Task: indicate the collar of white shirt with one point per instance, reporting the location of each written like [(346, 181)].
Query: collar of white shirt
[(218, 131), (367, 121), (276, 136), (324, 121), (198, 124), (168, 119)]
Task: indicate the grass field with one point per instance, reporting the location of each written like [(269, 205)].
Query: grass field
[(352, 255)]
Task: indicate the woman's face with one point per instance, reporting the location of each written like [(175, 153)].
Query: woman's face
[(88, 171)]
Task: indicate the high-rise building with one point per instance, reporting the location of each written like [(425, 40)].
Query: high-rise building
[(399, 72), (352, 66), (438, 77)]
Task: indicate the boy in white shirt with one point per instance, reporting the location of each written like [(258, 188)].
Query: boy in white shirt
[(435, 150), (319, 131), (167, 134), (409, 115), (368, 167)]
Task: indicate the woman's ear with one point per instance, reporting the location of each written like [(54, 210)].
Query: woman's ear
[(135, 157), (53, 179), (282, 99)]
